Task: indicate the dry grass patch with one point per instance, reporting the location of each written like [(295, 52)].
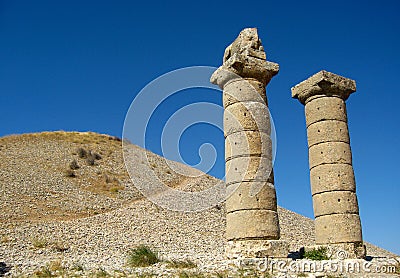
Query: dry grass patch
[(39, 242), (43, 272), (101, 273), (105, 183), (5, 239), (181, 264), (52, 269)]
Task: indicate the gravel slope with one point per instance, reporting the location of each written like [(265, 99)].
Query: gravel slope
[(94, 219)]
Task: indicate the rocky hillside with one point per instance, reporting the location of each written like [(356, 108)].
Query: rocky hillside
[(66, 199), (69, 175)]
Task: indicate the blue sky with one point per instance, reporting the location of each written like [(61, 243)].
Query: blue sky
[(77, 65)]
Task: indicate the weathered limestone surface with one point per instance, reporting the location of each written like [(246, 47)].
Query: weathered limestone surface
[(252, 221), (327, 131), (246, 116), (248, 143), (242, 90), (325, 108), (256, 248), (338, 228), (332, 202), (250, 224), (251, 195), (337, 221), (332, 177), (329, 153), (247, 169)]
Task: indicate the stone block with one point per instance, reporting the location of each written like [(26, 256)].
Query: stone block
[(338, 228), (251, 195), (327, 131), (256, 248), (248, 143), (335, 202), (248, 224), (244, 90), (246, 116), (329, 177), (329, 153), (325, 108), (248, 169)]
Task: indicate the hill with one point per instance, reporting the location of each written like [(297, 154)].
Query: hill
[(67, 199)]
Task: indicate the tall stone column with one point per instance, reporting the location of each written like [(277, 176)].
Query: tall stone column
[(252, 221), (337, 220)]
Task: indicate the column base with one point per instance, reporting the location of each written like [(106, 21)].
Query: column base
[(341, 251), (256, 248)]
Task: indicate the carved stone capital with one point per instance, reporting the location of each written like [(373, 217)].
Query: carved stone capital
[(324, 83), (238, 67), (245, 58)]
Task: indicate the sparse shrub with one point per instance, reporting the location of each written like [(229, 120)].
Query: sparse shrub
[(101, 273), (107, 179), (184, 274), (78, 267), (5, 239), (60, 247), (112, 184), (223, 274), (97, 156), (116, 189), (74, 165), (55, 266), (146, 275), (70, 173), (44, 272), (142, 256), (90, 161), (318, 254), (115, 138), (218, 206), (82, 153), (182, 264), (39, 242), (92, 157)]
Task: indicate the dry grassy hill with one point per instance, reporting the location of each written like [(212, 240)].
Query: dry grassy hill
[(38, 182), (66, 197)]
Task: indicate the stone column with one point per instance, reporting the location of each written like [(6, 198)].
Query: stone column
[(252, 221), (337, 221)]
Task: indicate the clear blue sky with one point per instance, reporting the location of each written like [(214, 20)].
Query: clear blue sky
[(77, 65)]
